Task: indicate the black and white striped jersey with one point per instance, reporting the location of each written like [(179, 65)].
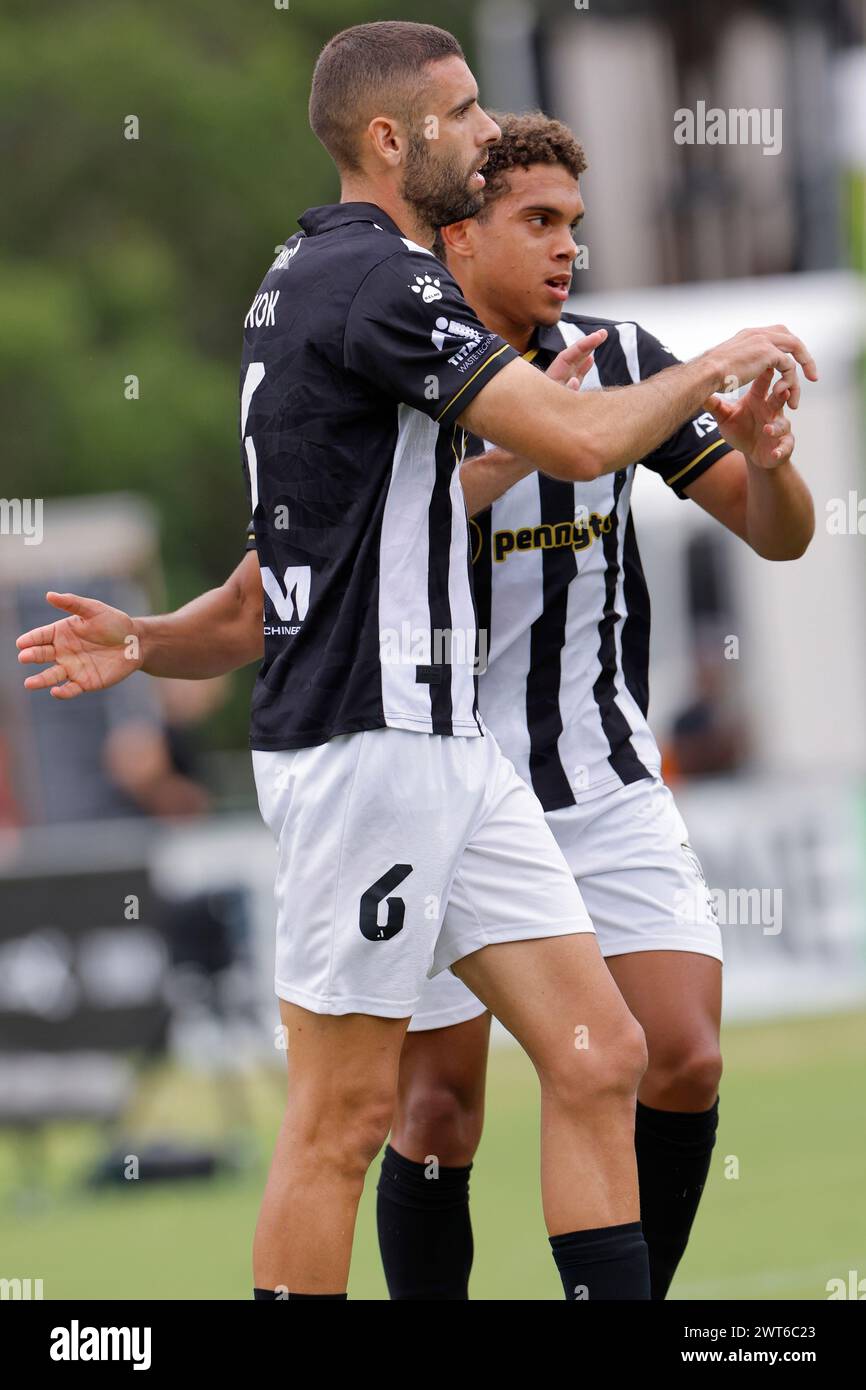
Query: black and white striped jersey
[(561, 595), (359, 354)]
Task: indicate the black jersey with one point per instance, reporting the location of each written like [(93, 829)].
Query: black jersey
[(359, 354)]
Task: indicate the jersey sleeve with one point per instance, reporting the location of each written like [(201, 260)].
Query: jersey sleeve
[(696, 445), (250, 543), (410, 333)]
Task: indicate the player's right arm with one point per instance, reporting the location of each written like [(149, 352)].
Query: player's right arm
[(434, 354), (579, 436), (485, 477), (98, 646)]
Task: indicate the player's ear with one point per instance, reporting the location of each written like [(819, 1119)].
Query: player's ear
[(457, 237), (384, 141)]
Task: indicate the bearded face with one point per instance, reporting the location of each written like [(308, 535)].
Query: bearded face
[(437, 185)]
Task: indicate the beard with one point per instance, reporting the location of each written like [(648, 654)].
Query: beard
[(436, 188)]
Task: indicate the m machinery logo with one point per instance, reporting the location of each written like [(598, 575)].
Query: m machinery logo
[(291, 600)]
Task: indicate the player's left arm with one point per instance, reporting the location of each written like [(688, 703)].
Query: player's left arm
[(755, 490), (485, 477)]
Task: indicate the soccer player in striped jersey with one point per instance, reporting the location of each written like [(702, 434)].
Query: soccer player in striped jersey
[(561, 596), (407, 843)]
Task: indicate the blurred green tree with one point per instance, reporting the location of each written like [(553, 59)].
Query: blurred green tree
[(122, 257)]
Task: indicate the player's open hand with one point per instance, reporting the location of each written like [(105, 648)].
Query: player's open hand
[(572, 364), (753, 351), (96, 647), (756, 424)]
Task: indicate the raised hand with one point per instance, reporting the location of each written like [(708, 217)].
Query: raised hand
[(754, 351), (98, 646), (756, 423), (572, 364)]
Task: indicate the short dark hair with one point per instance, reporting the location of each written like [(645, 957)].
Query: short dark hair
[(531, 138), (366, 69)]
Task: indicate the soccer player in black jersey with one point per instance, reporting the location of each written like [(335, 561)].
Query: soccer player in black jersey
[(407, 843)]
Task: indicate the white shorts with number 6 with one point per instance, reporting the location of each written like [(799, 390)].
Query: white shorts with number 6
[(399, 853)]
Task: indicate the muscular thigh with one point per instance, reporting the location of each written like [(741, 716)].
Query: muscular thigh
[(335, 1061), (554, 994)]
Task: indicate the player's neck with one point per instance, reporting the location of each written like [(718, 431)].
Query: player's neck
[(517, 333), (364, 191)]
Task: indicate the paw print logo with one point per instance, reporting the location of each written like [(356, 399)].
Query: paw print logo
[(427, 287)]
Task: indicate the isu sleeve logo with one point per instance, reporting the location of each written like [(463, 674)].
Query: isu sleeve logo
[(462, 333)]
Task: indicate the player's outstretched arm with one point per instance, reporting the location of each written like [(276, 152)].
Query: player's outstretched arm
[(215, 633), (579, 436), (98, 646)]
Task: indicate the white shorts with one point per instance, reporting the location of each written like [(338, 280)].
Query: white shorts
[(639, 878), (377, 834)]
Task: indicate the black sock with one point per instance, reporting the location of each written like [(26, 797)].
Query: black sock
[(673, 1158), (271, 1295), (606, 1262), (425, 1235)]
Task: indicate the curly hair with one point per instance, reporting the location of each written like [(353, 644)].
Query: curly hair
[(528, 139), (531, 138)]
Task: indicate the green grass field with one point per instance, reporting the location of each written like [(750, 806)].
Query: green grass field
[(791, 1113)]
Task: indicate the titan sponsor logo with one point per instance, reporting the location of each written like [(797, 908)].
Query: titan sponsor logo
[(462, 363), (471, 341), (262, 309), (452, 328), (563, 535), (77, 1343)]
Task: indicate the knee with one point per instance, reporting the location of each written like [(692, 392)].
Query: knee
[(438, 1119), (685, 1077), (601, 1074), (346, 1135), (368, 1130)]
